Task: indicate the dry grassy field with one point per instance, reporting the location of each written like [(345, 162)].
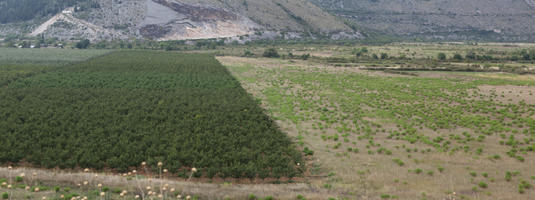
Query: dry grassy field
[(376, 135)]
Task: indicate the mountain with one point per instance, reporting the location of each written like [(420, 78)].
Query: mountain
[(170, 19), (447, 19)]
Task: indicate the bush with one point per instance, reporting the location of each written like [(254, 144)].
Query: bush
[(18, 179), (374, 56), (248, 53), (305, 56), (385, 196), (308, 152), (457, 57), (271, 53), (441, 56), (384, 56), (440, 169), (84, 44), (483, 185), (471, 55), (5, 195)]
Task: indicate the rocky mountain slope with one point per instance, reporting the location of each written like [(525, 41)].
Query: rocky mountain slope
[(189, 19), (455, 19)]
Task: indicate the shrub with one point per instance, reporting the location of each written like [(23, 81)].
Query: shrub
[(384, 56), (305, 56), (385, 196), (399, 162), (471, 55), (440, 169), (308, 152), (248, 53), (83, 44), (457, 57), (5, 195), (482, 185), (508, 176), (18, 179), (269, 198), (271, 53), (374, 56), (441, 56), (473, 174), (252, 197)]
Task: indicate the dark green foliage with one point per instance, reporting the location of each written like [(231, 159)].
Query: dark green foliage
[(471, 55), (124, 108), (18, 179), (308, 152), (441, 56), (271, 53), (457, 57), (83, 44), (384, 56), (305, 56), (374, 56), (248, 53), (5, 195)]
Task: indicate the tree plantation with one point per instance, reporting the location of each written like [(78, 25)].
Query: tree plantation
[(123, 108)]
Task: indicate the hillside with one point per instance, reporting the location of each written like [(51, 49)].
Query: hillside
[(450, 19), (176, 20)]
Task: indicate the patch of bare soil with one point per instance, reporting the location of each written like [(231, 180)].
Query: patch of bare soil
[(132, 185), (510, 93)]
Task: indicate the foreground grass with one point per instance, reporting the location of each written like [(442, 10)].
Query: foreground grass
[(385, 135), (63, 185)]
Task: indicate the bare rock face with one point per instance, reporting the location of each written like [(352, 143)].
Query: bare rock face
[(453, 19), (171, 20), (154, 31), (197, 13), (191, 19)]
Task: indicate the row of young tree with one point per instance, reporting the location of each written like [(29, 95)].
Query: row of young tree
[(216, 127)]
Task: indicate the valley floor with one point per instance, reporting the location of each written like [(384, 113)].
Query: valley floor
[(363, 134)]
